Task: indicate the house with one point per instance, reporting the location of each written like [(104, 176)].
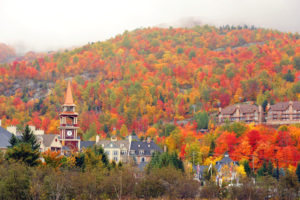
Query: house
[(4, 138), (284, 113), (199, 172), (241, 113), (226, 169), (142, 151), (49, 142), (115, 149)]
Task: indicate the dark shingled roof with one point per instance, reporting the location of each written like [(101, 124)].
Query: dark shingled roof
[(282, 106), (147, 147), (244, 108), (4, 138), (86, 144)]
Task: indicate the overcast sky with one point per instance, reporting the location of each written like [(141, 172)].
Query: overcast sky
[(43, 25)]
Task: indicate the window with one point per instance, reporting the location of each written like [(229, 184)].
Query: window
[(107, 152), (115, 153), (123, 152), (143, 159), (148, 145), (116, 159), (139, 145), (141, 152), (132, 152)]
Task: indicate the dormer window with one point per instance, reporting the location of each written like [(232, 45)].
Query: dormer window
[(148, 145), (141, 152), (139, 145)]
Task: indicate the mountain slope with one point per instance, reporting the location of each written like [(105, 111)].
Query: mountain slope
[(153, 76)]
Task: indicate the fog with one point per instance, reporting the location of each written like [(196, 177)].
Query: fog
[(45, 25)]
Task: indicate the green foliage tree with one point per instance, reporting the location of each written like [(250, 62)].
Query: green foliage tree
[(202, 120), (298, 171), (26, 149), (192, 54), (297, 62), (289, 76), (165, 159), (247, 168)]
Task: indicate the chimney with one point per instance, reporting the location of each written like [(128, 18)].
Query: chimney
[(97, 139), (129, 139)]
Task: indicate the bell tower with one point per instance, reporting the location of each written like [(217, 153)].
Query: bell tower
[(69, 123)]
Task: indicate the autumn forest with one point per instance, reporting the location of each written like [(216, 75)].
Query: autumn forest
[(165, 83)]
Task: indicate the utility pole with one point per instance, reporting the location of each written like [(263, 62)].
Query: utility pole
[(193, 158), (253, 163)]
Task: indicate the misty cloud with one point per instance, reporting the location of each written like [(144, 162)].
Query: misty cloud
[(49, 25)]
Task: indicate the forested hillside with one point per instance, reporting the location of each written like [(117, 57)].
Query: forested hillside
[(147, 79), (6, 53)]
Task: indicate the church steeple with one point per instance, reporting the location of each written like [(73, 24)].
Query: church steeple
[(69, 122), (69, 97)]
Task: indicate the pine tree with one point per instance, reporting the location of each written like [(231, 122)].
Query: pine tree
[(26, 149), (13, 141), (270, 168), (29, 137), (212, 148), (247, 168), (298, 172)]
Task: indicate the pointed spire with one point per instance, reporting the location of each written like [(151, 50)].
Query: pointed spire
[(69, 97)]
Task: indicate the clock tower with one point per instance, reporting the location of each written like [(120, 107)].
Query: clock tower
[(69, 123)]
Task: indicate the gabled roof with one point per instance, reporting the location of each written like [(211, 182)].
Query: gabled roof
[(146, 146), (48, 139), (4, 138), (86, 144), (69, 97), (111, 145), (244, 109), (282, 106)]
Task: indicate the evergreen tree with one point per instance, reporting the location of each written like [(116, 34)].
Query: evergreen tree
[(100, 151), (160, 160), (247, 168), (212, 148), (29, 137), (13, 141), (298, 171), (270, 168), (23, 152), (26, 149)]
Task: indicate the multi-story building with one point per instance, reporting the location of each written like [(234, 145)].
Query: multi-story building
[(49, 142), (284, 113), (241, 113), (142, 151), (115, 149)]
